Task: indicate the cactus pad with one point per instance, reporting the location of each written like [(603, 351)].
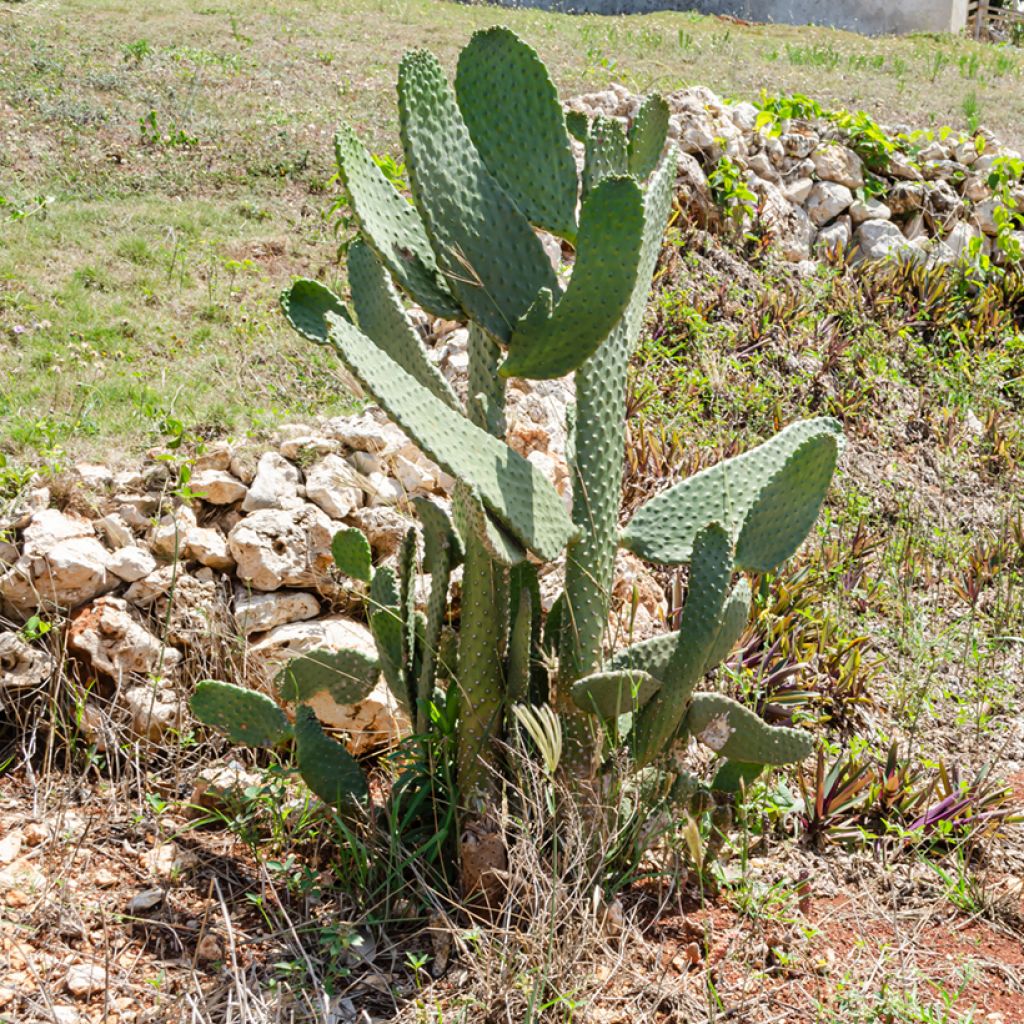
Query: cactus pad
[(510, 106), (734, 620), (382, 318), (392, 227), (348, 676), (647, 136), (352, 554), (663, 530), (244, 716), (736, 733), (611, 232), (514, 491), (699, 625), (607, 151), (306, 303), (610, 694), (327, 767), (651, 655), (464, 209)]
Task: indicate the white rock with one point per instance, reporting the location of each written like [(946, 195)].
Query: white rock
[(218, 487), (168, 538), (744, 115), (216, 458), (901, 166), (790, 228), (384, 528), (935, 150), (308, 445), (966, 153), (62, 564), (975, 188), (799, 144), (130, 515), (154, 711), (835, 237), (84, 979), (960, 238), (117, 532), (365, 463), (115, 644), (209, 547), (826, 201), (870, 209), (9, 554), (366, 432), (374, 722), (258, 612), (194, 613), (96, 476), (762, 166), (383, 490), (145, 592), (131, 563), (64, 1014), (798, 191), (23, 666), (878, 239), (984, 216), (287, 431), (128, 480), (275, 486), (335, 486), (282, 548), (833, 162)]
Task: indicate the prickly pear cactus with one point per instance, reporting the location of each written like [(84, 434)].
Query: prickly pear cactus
[(490, 164)]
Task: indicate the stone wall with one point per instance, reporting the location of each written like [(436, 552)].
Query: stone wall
[(871, 17)]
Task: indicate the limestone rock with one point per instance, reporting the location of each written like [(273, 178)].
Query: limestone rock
[(154, 711), (373, 722), (878, 239), (335, 486), (790, 227), (131, 563), (221, 789), (209, 547), (216, 458), (259, 612), (62, 563), (168, 538), (834, 238), (384, 528), (370, 431), (193, 611), (145, 592), (275, 485), (826, 201), (833, 162), (218, 487), (84, 979), (276, 548), (22, 665), (306, 445), (870, 209), (115, 644), (95, 476), (117, 532), (634, 579)]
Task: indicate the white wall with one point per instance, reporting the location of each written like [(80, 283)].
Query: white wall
[(871, 17)]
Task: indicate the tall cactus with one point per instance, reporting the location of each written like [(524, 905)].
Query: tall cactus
[(491, 163)]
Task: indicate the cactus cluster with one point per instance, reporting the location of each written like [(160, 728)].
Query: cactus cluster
[(490, 164)]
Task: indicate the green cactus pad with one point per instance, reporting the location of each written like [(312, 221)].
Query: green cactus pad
[(327, 767), (384, 589), (392, 227), (517, 678), (306, 303), (348, 676), (647, 136), (788, 505), (486, 405), (386, 628), (473, 520), (734, 620), (244, 716), (607, 152), (578, 124), (465, 211), (439, 537), (510, 106), (382, 318), (733, 776), (352, 554), (602, 283), (610, 694), (699, 625), (517, 494), (736, 733), (663, 530), (651, 656), (407, 599)]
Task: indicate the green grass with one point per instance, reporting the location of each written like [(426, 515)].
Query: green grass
[(166, 170)]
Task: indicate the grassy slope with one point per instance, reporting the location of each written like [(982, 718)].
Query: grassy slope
[(145, 290)]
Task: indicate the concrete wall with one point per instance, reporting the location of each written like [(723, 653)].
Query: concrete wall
[(871, 17)]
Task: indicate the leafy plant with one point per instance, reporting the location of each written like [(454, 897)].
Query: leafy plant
[(489, 164), (730, 190)]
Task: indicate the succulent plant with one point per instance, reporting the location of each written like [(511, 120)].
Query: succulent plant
[(491, 164)]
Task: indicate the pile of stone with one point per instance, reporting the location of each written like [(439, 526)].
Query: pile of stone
[(809, 181), (157, 587)]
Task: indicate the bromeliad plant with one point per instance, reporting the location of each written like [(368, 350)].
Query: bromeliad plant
[(490, 164)]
